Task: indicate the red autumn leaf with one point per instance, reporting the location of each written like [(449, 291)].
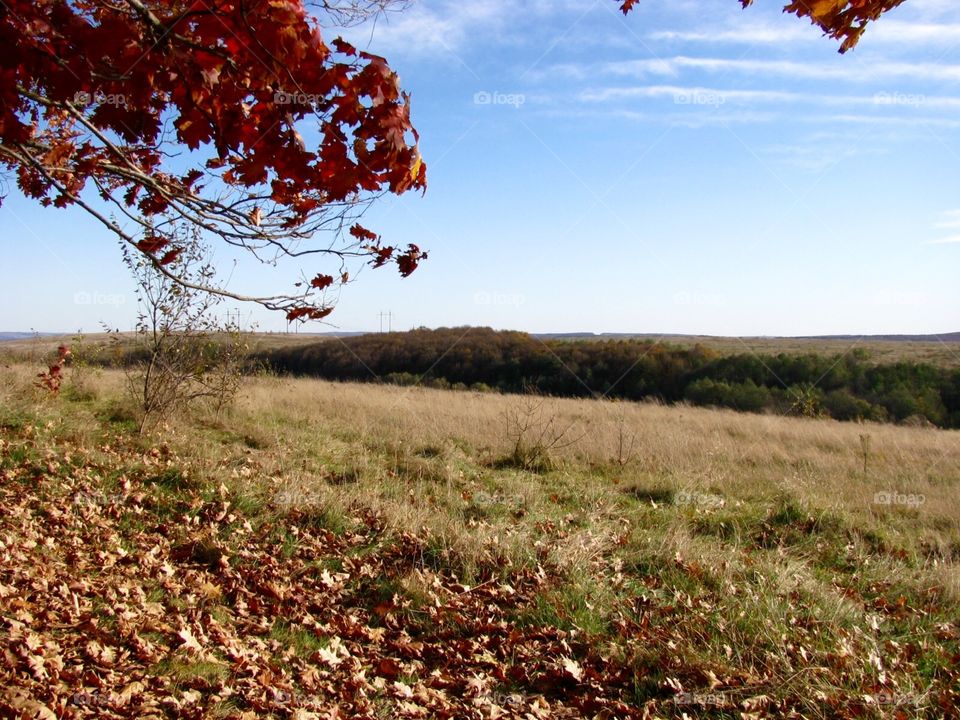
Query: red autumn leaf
[(171, 256), (381, 256), (361, 233), (152, 244), (409, 261), (308, 312), (342, 46), (320, 282)]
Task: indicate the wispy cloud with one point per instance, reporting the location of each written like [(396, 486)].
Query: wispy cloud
[(684, 93), (948, 225), (430, 29), (747, 35), (715, 118), (677, 65), (681, 94), (453, 26), (949, 220), (818, 155), (887, 32), (904, 122)]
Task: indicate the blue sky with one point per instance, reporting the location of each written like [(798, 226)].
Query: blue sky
[(692, 168)]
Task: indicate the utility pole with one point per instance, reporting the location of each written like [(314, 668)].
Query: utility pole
[(389, 317), (233, 319)]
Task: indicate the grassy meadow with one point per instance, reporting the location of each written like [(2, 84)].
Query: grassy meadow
[(345, 550)]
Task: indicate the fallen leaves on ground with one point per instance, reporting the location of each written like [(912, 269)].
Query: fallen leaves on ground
[(120, 598)]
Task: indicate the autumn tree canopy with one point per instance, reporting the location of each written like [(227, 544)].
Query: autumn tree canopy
[(233, 116)]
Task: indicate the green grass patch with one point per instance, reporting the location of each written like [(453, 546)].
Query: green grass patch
[(198, 674), (304, 643)]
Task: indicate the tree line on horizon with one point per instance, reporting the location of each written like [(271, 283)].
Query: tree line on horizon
[(843, 387)]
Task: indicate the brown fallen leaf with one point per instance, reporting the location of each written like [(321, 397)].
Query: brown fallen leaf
[(572, 669), (189, 641), (26, 707)]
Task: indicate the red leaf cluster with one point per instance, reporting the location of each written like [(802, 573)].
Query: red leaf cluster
[(308, 312), (321, 282), (88, 88), (152, 244), (406, 260), (51, 378), (409, 260)]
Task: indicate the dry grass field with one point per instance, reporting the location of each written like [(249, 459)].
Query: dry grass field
[(643, 561)]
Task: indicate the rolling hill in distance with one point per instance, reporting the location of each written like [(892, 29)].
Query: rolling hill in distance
[(945, 337), (942, 349), (681, 337)]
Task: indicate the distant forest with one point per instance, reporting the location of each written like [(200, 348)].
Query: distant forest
[(845, 387)]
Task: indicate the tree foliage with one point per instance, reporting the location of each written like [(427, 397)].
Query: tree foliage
[(845, 387), (235, 116)]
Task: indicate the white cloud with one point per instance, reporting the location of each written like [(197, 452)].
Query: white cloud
[(933, 9), (722, 95), (818, 156), (894, 31), (872, 72), (887, 31), (748, 35), (451, 26), (714, 118), (681, 93), (906, 122), (949, 220), (428, 29)]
